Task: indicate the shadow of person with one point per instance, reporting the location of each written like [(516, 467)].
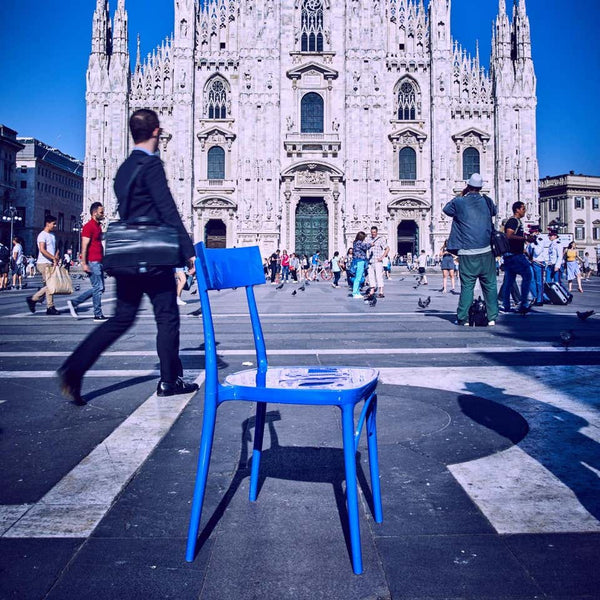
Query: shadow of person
[(555, 439), (294, 463)]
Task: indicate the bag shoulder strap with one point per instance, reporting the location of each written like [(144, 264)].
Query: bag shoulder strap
[(488, 201)]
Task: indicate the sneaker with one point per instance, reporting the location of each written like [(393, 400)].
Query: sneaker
[(359, 296), (506, 310), (180, 302), (30, 303), (100, 319), (72, 309), (52, 311), (380, 296), (491, 323), (461, 324)]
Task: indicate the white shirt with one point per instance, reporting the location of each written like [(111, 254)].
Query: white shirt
[(50, 240), (18, 251), (423, 260)]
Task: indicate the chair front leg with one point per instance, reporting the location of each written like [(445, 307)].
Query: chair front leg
[(208, 430), (259, 429), (351, 487), (374, 459)]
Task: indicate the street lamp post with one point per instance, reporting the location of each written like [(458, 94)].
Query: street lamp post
[(10, 214)]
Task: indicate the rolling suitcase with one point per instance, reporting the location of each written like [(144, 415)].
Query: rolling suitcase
[(557, 294)]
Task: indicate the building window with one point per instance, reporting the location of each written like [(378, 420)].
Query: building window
[(553, 204), (312, 26), (596, 232), (579, 202), (23, 168), (311, 109), (595, 203), (579, 232), (216, 163), (407, 161), (61, 222), (470, 162), (216, 99), (23, 184), (74, 224), (407, 102)]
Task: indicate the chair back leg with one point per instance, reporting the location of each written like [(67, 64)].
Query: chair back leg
[(351, 487), (374, 460), (259, 429), (206, 442)]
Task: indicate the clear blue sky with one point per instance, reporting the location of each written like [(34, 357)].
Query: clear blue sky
[(44, 48)]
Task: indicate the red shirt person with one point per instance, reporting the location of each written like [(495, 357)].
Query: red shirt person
[(92, 253)]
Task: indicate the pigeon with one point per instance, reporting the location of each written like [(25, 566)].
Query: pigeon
[(302, 288), (197, 312), (401, 279), (424, 303), (372, 301), (567, 338), (279, 286), (294, 292), (582, 316)]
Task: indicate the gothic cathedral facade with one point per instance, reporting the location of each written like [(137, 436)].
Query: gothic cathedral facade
[(297, 123)]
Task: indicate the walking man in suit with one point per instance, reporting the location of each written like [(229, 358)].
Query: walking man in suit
[(148, 195)]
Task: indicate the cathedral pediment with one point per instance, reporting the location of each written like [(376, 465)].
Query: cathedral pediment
[(216, 135), (472, 135), (220, 202), (312, 69), (408, 136), (312, 166)]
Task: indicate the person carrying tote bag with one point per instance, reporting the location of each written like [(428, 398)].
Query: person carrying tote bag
[(147, 197)]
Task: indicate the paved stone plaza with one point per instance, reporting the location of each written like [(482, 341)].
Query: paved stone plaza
[(489, 456)]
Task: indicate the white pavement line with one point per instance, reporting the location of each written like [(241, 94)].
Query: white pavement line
[(309, 352), (77, 503), (528, 488)]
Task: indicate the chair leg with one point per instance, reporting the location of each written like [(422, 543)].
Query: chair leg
[(259, 429), (374, 460), (206, 441), (351, 487)]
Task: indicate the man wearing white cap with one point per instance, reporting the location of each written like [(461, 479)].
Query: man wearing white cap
[(471, 234)]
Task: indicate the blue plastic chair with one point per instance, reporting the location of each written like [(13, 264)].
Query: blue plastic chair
[(218, 269)]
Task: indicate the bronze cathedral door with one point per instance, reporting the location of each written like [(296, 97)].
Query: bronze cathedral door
[(312, 227)]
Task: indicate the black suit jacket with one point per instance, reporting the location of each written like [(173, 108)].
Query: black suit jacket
[(150, 195)]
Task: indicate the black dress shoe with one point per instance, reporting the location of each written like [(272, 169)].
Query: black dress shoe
[(166, 388), (30, 303), (52, 311), (70, 387)]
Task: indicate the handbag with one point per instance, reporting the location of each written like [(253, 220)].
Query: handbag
[(135, 246), (498, 240), (59, 281)]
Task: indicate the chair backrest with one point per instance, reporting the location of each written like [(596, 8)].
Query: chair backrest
[(224, 268)]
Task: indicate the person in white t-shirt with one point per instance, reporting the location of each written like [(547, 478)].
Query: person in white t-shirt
[(422, 267), (47, 258), (17, 263)]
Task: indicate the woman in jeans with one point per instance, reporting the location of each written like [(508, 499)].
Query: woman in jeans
[(359, 249)]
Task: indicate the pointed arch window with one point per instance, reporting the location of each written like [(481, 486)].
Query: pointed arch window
[(311, 111), (471, 162), (216, 163), (216, 99), (407, 163), (312, 26), (407, 101)]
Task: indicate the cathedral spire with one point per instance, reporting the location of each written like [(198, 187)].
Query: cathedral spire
[(138, 54), (120, 36), (101, 28)]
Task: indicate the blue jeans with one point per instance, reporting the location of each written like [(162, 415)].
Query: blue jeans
[(516, 264), (360, 271), (285, 273), (95, 292), (538, 278)]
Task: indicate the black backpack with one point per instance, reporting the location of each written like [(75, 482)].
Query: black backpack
[(478, 314), (4, 254)]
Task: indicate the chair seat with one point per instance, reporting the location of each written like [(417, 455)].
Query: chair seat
[(329, 385)]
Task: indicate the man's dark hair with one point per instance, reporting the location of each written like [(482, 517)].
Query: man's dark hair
[(94, 207), (374, 227), (517, 205), (49, 219), (142, 124)]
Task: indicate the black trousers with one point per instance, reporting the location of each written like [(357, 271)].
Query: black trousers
[(161, 290)]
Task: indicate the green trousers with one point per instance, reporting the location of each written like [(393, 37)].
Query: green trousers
[(472, 268)]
